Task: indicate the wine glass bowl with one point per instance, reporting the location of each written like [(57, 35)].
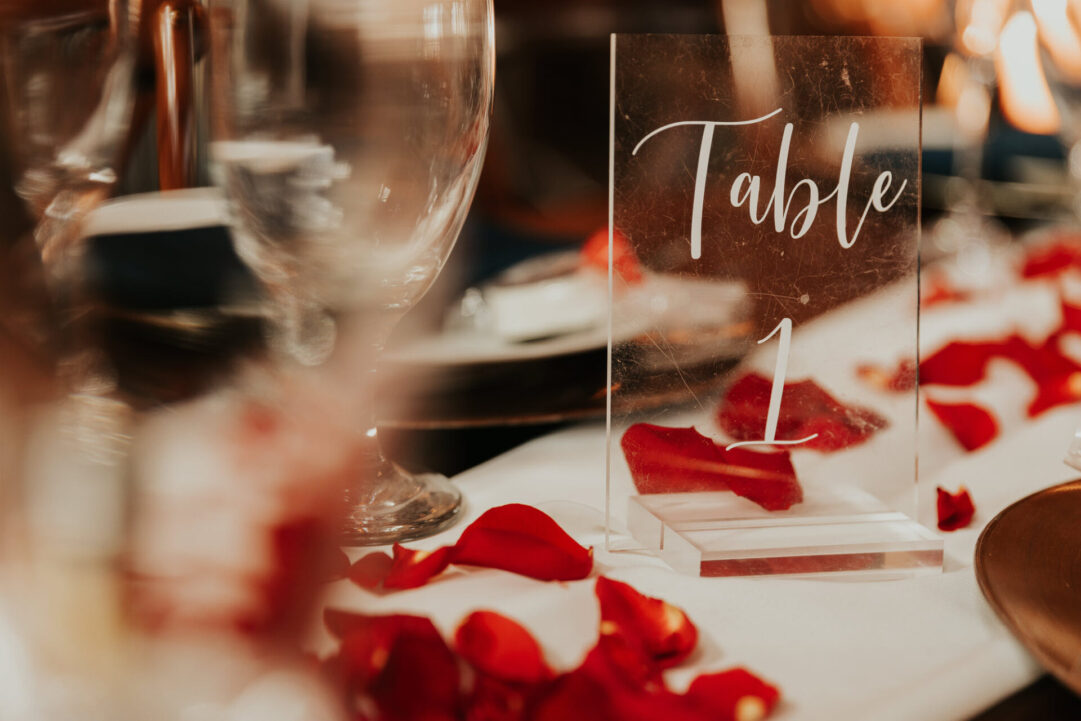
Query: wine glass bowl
[(349, 136)]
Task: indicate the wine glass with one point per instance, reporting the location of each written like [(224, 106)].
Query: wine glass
[(349, 135), (68, 67)]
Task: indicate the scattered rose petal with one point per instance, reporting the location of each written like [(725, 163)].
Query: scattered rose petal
[(501, 648), (339, 622), (412, 568), (419, 678), (1057, 391), (1071, 316), (337, 565), (955, 510), (734, 695), (776, 488), (515, 538), (523, 540), (972, 426), (400, 662), (962, 363), (594, 254), (1055, 374), (806, 409), (671, 460), (623, 657), (937, 289), (663, 632), (398, 668), (366, 642), (681, 460), (1052, 258), (495, 700), (1042, 362), (601, 689), (287, 594), (575, 696), (959, 363), (370, 570), (897, 380)]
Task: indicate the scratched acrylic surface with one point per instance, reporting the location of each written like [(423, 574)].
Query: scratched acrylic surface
[(769, 188)]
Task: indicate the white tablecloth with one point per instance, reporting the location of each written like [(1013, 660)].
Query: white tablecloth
[(921, 648)]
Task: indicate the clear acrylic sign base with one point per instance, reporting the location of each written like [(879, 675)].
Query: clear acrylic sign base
[(836, 530)]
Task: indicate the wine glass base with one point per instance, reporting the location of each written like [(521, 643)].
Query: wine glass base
[(432, 507)]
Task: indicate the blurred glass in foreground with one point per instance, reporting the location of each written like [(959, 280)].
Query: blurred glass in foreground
[(349, 138)]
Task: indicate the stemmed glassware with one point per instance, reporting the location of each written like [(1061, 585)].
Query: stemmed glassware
[(349, 136)]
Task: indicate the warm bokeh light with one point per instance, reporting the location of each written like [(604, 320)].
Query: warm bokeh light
[(926, 18), (1026, 97), (754, 70), (1060, 36), (979, 23)]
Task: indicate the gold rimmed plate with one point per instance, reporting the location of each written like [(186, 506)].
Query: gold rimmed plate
[(1028, 564)]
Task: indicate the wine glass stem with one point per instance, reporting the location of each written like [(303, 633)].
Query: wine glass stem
[(387, 503), (376, 469)]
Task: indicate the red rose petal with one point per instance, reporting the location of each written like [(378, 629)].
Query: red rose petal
[(671, 460), (964, 363), (1053, 258), (594, 254), (624, 657), (743, 410), (806, 409), (370, 570), (663, 632), (337, 565), (576, 696), (1071, 317), (734, 695), (955, 510), (958, 363), (1054, 392), (412, 568), (339, 622), (681, 460), (898, 380), (937, 289), (299, 550), (400, 662), (972, 426), (367, 642), (599, 690), (419, 678), (523, 540), (494, 700), (776, 487), (501, 648), (1043, 362)]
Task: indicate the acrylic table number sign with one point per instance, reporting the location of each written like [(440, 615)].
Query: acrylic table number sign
[(764, 203)]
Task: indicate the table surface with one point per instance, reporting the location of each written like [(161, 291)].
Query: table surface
[(453, 451), (933, 633)]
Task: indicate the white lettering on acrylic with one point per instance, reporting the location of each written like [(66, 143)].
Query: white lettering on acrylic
[(780, 370), (746, 187)]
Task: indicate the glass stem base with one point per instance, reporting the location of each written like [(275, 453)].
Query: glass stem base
[(394, 505)]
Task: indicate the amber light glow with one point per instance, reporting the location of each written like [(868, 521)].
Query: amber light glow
[(1059, 35), (1026, 97)]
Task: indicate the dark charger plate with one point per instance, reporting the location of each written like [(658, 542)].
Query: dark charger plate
[(546, 390), (1028, 564)]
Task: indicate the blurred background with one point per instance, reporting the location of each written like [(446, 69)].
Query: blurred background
[(1001, 98), (1001, 88)]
